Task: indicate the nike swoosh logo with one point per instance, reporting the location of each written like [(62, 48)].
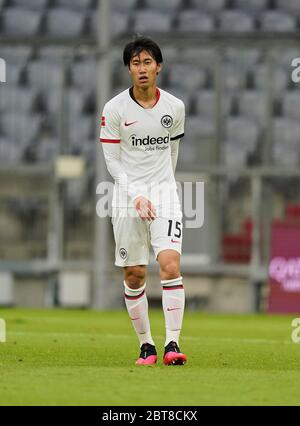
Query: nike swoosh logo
[(129, 124), (173, 309), (133, 319), (173, 241)]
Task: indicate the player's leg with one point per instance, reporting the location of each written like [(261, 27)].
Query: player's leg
[(173, 301), (132, 253), (166, 239), (137, 307)]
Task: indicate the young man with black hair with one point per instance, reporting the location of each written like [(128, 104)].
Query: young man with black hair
[(140, 132)]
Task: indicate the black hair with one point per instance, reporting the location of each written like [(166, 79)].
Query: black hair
[(139, 44)]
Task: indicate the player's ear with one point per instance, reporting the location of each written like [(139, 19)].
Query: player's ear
[(159, 68)]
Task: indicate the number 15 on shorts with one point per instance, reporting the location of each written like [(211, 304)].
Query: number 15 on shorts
[(174, 229)]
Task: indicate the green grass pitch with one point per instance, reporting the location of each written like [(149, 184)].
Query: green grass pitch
[(67, 357)]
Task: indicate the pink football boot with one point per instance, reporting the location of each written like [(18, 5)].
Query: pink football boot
[(148, 355), (173, 356)]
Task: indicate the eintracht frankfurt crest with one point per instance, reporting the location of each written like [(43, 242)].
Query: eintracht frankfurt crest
[(167, 121)]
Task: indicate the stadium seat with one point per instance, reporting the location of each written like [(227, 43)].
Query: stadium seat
[(233, 154), (74, 4), (243, 57), (253, 104), (181, 94), (46, 149), (53, 100), (251, 5), (199, 134), (286, 137), (88, 149), (18, 99), (277, 21), (45, 74), (285, 57), (290, 6), (20, 127), (209, 5), (10, 153), (196, 76), (120, 74), (170, 52), (152, 21), (243, 131), (285, 156), (15, 54), (80, 128), (198, 128), (205, 103), (75, 191), (286, 132), (64, 22), (32, 4), (123, 6), (53, 54), (18, 21), (233, 76), (84, 73), (192, 20), (76, 100), (235, 21), (166, 5), (73, 102), (14, 74), (119, 23), (262, 76), (200, 53), (291, 105)]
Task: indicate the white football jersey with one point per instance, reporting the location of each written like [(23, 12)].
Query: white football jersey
[(142, 138)]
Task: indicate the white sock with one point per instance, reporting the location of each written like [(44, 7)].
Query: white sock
[(137, 307), (173, 299)]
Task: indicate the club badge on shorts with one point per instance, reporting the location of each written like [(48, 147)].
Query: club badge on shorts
[(123, 253)]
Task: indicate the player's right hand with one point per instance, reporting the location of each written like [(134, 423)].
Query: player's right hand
[(145, 208)]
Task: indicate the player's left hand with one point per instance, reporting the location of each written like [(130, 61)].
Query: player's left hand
[(145, 208)]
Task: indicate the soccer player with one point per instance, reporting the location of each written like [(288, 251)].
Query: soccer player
[(140, 132)]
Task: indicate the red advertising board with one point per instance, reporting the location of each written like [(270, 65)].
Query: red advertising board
[(284, 269)]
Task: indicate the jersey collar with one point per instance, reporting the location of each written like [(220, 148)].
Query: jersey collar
[(133, 98)]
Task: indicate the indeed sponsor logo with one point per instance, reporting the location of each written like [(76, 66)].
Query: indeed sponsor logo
[(149, 141)]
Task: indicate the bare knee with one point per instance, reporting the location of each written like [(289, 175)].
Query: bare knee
[(170, 270), (135, 276)]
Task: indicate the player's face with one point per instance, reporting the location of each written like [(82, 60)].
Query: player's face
[(144, 70)]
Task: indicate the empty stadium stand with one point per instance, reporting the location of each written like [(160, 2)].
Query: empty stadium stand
[(51, 81)]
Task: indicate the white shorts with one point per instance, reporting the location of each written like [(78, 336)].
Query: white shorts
[(133, 236)]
